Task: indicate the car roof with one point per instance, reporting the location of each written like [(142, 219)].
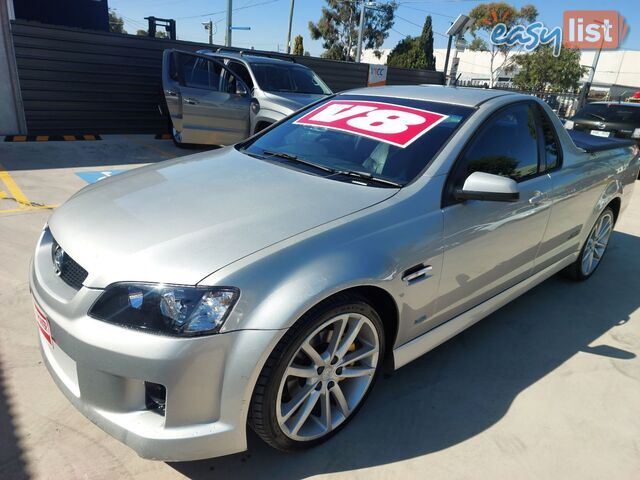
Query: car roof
[(246, 56), (466, 96)]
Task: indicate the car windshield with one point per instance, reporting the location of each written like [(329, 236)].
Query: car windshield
[(388, 139), (611, 112), (288, 78)]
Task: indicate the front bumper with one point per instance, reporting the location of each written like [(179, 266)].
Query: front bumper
[(102, 369)]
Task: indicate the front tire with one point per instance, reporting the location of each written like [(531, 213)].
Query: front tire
[(319, 374), (594, 247), (176, 136)]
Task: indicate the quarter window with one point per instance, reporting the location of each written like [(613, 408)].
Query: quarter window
[(507, 145), (551, 146)]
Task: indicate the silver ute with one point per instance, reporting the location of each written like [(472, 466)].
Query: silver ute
[(266, 284)]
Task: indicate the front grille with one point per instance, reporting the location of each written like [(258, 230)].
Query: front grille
[(70, 272)]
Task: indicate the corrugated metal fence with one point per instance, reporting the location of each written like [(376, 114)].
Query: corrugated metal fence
[(79, 81)]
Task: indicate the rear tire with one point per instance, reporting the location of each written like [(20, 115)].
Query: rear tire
[(593, 249), (319, 374)]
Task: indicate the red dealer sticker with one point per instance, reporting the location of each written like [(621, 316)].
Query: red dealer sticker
[(386, 122), (43, 324)]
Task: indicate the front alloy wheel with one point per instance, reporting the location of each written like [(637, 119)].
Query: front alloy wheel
[(314, 383)]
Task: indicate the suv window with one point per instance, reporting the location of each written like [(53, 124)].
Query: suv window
[(506, 145), (198, 72), (241, 71), (288, 78), (552, 149)]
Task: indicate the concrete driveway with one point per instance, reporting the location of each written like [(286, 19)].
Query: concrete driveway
[(547, 387)]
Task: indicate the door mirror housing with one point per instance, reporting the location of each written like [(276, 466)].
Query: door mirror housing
[(488, 187), (241, 89)]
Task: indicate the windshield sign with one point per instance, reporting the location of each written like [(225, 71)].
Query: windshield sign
[(373, 139), (390, 123)]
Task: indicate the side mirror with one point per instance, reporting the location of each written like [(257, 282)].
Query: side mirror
[(241, 89), (489, 187)]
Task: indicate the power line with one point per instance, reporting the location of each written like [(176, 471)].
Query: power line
[(426, 11), (224, 11), (420, 26)]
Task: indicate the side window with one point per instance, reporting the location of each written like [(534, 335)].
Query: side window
[(552, 151), (507, 145), (199, 72), (241, 71)]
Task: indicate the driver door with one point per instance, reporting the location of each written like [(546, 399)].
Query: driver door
[(208, 103), (490, 246)]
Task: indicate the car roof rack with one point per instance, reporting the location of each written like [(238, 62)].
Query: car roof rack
[(258, 53)]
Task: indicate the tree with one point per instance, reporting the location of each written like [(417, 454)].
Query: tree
[(415, 52), (338, 27), (540, 70), (298, 45), (116, 23), (145, 33), (486, 16)]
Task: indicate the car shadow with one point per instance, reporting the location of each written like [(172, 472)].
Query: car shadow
[(466, 385), (12, 460), (110, 151)]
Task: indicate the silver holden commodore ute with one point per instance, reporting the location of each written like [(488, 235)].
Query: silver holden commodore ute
[(267, 284)]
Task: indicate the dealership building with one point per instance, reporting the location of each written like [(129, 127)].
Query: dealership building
[(615, 67)]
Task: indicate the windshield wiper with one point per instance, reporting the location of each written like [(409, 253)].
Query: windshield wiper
[(368, 176), (596, 116), (295, 159)]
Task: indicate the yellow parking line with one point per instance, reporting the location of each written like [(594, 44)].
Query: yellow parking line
[(28, 209), (69, 138), (13, 188), (42, 138), (19, 138)]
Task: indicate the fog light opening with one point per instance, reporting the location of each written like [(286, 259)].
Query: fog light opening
[(155, 397)]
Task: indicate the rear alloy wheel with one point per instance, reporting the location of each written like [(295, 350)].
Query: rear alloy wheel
[(320, 378), (594, 248)]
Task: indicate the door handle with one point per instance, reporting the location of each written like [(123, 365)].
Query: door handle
[(537, 198), (191, 101), (412, 275), (171, 93)]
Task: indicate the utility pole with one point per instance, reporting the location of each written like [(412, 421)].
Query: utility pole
[(209, 26), (290, 22), (227, 37), (360, 31)]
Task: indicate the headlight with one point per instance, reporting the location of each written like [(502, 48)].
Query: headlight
[(636, 133), (166, 309), (568, 124)]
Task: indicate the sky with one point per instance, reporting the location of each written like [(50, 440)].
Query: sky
[(268, 19)]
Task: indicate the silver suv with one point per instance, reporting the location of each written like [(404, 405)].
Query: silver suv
[(222, 97)]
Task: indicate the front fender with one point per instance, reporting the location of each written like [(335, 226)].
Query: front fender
[(373, 247)]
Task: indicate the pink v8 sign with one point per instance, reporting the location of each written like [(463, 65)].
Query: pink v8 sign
[(386, 122)]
